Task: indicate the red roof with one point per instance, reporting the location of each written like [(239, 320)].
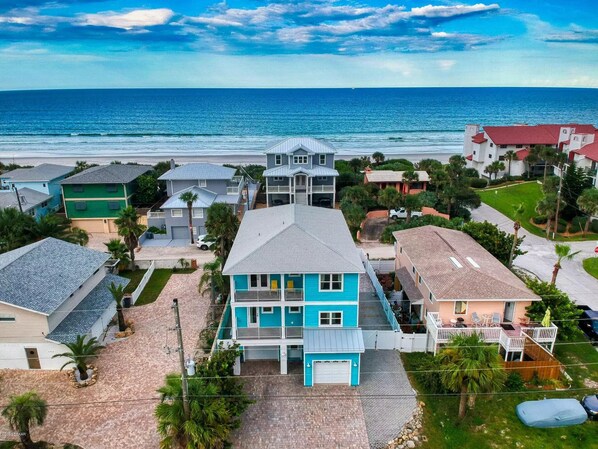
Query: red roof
[(479, 138), (522, 154), (590, 150), (469, 158), (531, 135)]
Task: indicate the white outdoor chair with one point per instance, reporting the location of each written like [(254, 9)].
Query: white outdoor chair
[(475, 319), (496, 319)]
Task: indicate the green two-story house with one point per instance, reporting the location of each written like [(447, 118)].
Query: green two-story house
[(94, 197)]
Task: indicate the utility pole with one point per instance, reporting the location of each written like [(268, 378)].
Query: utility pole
[(558, 202), (18, 197), (181, 351)]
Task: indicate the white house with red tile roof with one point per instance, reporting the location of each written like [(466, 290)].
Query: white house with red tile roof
[(583, 149), (482, 147)]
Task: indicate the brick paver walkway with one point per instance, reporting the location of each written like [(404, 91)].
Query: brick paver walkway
[(130, 371), (297, 417)]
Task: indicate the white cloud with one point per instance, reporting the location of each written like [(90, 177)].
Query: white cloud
[(446, 64), (129, 20), (431, 11)]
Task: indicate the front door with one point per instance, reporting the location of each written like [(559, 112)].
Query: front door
[(300, 182), (258, 282), (32, 358), (509, 311), (253, 318)]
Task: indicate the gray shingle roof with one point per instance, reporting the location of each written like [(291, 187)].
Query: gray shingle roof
[(108, 174), (430, 249), (81, 319), (323, 341), (199, 171), (285, 170), (40, 173), (293, 238), (205, 198), (41, 276), (29, 198), (309, 144)]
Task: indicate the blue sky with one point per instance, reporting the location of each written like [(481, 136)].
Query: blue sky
[(304, 43)]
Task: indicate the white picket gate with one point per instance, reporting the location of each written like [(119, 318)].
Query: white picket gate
[(394, 340)]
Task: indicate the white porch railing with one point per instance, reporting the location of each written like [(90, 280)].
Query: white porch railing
[(322, 189), (259, 333), (256, 295), (278, 189), (511, 343), (151, 214), (542, 334)]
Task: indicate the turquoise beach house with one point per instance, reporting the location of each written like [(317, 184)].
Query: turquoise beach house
[(294, 273)]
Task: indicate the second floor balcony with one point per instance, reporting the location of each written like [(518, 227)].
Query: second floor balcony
[(273, 295), (266, 333)]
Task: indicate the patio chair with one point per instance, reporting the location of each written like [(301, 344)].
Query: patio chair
[(475, 319), (496, 319), (439, 322)]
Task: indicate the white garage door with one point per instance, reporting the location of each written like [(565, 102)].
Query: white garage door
[(332, 372), (261, 353)]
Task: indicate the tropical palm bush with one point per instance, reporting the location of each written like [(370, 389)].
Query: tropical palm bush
[(189, 198), (129, 229), (24, 411), (118, 251), (81, 351), (222, 226), (118, 293)]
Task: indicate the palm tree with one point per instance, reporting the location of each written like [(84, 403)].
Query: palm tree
[(52, 225), (354, 215), (548, 155), (355, 164), (389, 198), (81, 351), (80, 166), (563, 252), (118, 293), (24, 411), (494, 168), (409, 176), (547, 206), (588, 203), (118, 251), (531, 160), (378, 157), (410, 203), (79, 236), (222, 226), (510, 156), (519, 211), (213, 280), (189, 197), (129, 229), (210, 421), (469, 367), (16, 229)]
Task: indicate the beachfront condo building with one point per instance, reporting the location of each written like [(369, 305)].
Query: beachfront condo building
[(294, 276), (300, 170), (210, 183), (482, 147), (94, 197)]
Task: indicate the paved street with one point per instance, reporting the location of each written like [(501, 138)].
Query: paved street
[(118, 411), (540, 258)]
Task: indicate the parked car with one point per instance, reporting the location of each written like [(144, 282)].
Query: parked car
[(202, 243), (590, 403), (551, 413), (589, 323), (402, 213)]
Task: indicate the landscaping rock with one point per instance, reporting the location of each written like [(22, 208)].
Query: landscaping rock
[(410, 436)]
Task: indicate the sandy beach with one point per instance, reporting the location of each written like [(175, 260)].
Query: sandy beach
[(242, 159)]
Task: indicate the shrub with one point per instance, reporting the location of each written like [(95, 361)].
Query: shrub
[(155, 230), (578, 224), (497, 182), (514, 382), (561, 227), (594, 226), (540, 219), (206, 338), (479, 183), (426, 371), (387, 237)]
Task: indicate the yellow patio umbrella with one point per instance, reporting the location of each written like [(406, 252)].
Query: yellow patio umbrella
[(546, 320)]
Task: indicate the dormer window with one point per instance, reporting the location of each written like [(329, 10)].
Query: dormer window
[(278, 159), (300, 160)]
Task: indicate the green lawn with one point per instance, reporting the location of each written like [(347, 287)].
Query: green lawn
[(529, 193), (134, 276), (494, 424), (591, 266), (152, 289)]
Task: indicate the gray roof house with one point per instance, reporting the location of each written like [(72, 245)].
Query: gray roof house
[(300, 170), (29, 201), (211, 183), (50, 292)]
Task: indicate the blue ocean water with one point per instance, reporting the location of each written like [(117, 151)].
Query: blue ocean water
[(194, 122)]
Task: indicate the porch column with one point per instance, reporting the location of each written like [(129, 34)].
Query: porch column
[(333, 191), (233, 321), (291, 192), (267, 193), (283, 359), (282, 288)]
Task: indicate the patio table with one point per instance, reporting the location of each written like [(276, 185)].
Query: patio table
[(486, 319)]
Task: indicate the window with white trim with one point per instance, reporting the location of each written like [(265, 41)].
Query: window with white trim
[(331, 318), (431, 297), (258, 280), (176, 213), (419, 279), (322, 159), (202, 183), (322, 178), (331, 282), (295, 309), (460, 307), (197, 212), (278, 178), (7, 318), (268, 310), (300, 160), (278, 159)]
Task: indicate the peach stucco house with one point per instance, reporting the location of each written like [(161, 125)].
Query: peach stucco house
[(455, 286), (391, 178)]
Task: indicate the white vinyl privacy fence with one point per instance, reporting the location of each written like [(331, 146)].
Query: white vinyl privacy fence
[(144, 280)]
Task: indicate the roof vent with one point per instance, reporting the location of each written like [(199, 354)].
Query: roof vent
[(472, 262), (456, 262)]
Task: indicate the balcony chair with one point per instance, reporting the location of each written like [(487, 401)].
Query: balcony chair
[(475, 319), (495, 319)]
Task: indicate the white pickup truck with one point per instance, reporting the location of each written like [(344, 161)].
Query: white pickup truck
[(402, 213)]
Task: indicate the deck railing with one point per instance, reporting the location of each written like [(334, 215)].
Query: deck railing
[(278, 189), (264, 333), (541, 333), (293, 294), (156, 214), (322, 189), (256, 295)]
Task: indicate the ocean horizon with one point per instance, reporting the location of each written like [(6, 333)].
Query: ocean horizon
[(178, 122)]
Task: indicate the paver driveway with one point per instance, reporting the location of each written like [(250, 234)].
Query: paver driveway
[(130, 372)]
